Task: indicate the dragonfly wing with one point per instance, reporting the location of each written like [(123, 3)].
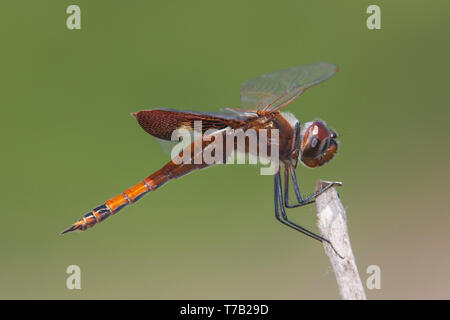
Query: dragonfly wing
[(167, 146), (273, 91), (161, 123), (240, 113)]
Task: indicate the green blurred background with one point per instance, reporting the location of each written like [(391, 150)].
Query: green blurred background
[(69, 144)]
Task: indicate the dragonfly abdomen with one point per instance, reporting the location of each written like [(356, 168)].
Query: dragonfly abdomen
[(110, 207), (131, 195)]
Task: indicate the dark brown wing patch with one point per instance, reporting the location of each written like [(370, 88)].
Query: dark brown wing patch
[(160, 123)]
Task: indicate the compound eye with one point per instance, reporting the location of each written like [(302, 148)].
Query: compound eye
[(324, 146), (316, 140)]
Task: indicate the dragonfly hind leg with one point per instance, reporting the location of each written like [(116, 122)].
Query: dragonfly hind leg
[(283, 218)]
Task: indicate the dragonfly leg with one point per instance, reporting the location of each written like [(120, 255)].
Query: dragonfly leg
[(283, 218), (290, 171), (279, 207)]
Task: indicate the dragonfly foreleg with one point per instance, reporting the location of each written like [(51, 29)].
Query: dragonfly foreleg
[(290, 171)]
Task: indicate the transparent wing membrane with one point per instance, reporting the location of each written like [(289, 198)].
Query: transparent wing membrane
[(273, 91)]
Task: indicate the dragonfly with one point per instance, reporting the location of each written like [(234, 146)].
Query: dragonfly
[(312, 144)]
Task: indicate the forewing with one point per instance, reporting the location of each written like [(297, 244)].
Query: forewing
[(273, 91)]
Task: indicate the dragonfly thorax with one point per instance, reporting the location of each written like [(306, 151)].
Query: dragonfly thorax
[(290, 141)]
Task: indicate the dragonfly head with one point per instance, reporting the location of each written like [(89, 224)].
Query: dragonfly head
[(318, 144)]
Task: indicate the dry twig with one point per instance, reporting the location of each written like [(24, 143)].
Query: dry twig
[(332, 222)]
